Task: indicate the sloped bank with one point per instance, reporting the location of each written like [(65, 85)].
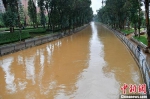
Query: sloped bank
[(10, 48), (139, 56)]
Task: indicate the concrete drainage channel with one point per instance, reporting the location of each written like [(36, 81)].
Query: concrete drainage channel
[(35, 41), (140, 57)]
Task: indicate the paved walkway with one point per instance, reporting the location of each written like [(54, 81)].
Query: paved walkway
[(147, 55)]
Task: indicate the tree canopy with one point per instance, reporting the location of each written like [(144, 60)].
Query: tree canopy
[(120, 13), (56, 14)]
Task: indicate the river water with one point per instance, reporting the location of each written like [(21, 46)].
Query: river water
[(91, 64)]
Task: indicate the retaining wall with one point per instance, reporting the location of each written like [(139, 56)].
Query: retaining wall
[(35, 41)]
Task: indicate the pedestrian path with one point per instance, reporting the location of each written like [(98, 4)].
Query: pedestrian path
[(147, 55)]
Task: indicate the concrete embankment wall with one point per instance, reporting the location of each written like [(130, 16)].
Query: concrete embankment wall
[(139, 56), (10, 48)]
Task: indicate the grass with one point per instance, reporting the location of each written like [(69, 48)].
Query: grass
[(126, 31), (142, 39)]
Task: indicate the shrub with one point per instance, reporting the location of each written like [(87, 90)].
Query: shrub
[(37, 30), (12, 37), (8, 37)]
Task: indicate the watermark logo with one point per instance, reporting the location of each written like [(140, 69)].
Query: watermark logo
[(133, 96), (134, 91), (133, 88)]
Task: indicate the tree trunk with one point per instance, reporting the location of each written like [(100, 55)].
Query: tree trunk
[(69, 23), (148, 38), (128, 25), (53, 28), (120, 25), (44, 26), (48, 21), (139, 32), (135, 30), (33, 25), (139, 20), (18, 13), (37, 25), (147, 21), (48, 18), (11, 29), (60, 22)]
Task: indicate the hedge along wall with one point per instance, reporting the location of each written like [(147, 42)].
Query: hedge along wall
[(38, 30), (12, 37)]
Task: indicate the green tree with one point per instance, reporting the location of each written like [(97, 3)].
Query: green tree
[(1, 20), (65, 14), (32, 12), (21, 13), (147, 21), (48, 7), (9, 19), (41, 4), (118, 13)]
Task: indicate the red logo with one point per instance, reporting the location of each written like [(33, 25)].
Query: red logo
[(133, 88), (124, 88)]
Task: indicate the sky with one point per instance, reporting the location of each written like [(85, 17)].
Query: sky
[(96, 4)]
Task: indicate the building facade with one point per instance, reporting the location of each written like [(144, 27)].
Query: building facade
[(25, 5), (2, 8), (25, 8)]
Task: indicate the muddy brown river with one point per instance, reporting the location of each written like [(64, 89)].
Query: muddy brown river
[(91, 64)]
